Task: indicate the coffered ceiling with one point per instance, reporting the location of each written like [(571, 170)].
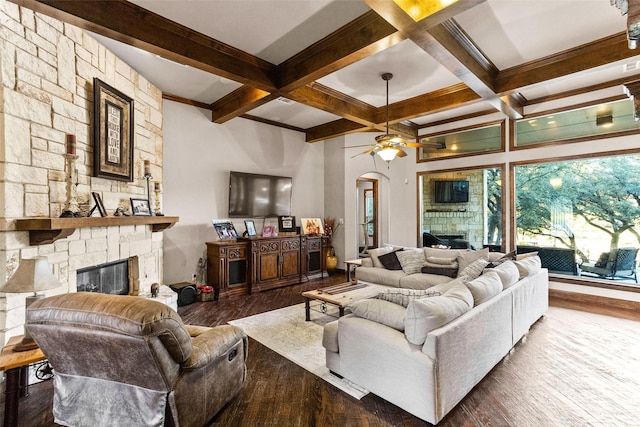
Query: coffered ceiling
[(315, 65)]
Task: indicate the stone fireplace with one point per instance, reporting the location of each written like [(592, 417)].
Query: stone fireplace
[(46, 92)]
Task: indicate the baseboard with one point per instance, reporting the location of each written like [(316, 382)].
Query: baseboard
[(605, 305)]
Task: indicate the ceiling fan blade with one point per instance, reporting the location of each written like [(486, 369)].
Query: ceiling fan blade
[(364, 152), (356, 146), (401, 153), (414, 144)]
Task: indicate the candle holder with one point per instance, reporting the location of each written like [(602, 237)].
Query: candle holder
[(148, 177), (71, 206), (157, 190)]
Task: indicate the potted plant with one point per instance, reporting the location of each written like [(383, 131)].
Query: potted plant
[(330, 227)]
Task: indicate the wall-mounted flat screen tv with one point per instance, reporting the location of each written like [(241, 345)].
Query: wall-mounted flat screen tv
[(451, 191), (256, 196)]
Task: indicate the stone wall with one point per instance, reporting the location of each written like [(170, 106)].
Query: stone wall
[(46, 92)]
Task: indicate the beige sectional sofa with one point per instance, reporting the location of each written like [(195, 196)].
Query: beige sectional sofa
[(423, 348)]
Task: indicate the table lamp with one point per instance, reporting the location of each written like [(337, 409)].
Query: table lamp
[(33, 275)]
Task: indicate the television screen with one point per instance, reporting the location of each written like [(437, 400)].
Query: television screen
[(451, 191), (256, 196)]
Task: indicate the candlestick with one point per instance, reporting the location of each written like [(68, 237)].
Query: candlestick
[(157, 189), (147, 167), (71, 206), (71, 144)]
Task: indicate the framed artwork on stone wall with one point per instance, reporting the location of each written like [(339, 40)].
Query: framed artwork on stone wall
[(112, 133)]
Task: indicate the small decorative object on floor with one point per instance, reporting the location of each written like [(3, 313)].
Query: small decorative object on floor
[(206, 293), (330, 227), (155, 290)]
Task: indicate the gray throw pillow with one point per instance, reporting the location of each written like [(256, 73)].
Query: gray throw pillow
[(411, 260), (404, 296), (474, 270), (380, 311)]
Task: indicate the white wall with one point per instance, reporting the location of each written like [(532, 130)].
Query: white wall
[(198, 156)]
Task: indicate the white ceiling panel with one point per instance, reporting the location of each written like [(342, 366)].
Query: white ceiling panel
[(293, 114), (414, 73), (271, 30), (512, 32)]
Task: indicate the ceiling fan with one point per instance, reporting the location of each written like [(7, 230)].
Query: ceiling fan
[(388, 146)]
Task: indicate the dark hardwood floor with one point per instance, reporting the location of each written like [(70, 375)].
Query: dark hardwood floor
[(575, 368)]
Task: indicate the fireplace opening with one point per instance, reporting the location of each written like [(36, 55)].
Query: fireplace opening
[(108, 278)]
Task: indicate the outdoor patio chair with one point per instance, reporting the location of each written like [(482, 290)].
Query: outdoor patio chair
[(620, 263)]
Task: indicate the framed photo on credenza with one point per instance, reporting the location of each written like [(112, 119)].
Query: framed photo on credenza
[(287, 224)]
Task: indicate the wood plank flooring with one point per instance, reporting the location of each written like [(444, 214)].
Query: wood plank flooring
[(575, 368)]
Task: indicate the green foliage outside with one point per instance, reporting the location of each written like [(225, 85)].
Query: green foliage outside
[(574, 204)]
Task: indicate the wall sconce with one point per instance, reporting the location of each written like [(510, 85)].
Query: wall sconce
[(604, 121)]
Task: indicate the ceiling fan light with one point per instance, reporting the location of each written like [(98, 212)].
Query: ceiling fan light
[(388, 153)]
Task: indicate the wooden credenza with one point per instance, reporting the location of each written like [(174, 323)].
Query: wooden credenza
[(262, 263)]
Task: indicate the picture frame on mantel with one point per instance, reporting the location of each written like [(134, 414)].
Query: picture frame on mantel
[(140, 207), (113, 131)]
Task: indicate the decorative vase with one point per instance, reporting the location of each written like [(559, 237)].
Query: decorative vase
[(332, 260)]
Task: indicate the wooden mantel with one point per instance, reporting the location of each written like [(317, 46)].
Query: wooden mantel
[(48, 230)]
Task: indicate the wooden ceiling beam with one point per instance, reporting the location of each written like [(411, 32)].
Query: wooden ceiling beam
[(130, 24), (446, 42), (238, 102), (333, 129), (360, 38), (577, 60)]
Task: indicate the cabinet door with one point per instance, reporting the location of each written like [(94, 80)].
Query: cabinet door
[(291, 257), (268, 259)]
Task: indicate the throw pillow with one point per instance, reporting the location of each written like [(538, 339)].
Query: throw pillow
[(485, 287), (528, 266), (443, 253), (424, 315), (404, 296), (375, 253), (526, 255), (380, 311), (474, 270), (511, 256), (508, 273), (390, 261), (441, 270), (411, 260), (467, 258), (440, 261)]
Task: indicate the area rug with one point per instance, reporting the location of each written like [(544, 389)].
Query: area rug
[(287, 333)]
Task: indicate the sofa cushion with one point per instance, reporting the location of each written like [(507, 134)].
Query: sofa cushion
[(390, 261), (528, 266), (422, 281), (424, 315), (465, 259), (443, 253), (404, 296), (380, 311), (474, 270), (381, 276), (441, 270), (411, 260), (375, 253), (485, 287), (508, 273), (511, 256)]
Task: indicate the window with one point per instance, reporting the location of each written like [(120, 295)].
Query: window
[(610, 119), (484, 138), (580, 210), (478, 221)]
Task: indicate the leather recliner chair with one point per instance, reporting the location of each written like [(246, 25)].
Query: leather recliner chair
[(131, 361)]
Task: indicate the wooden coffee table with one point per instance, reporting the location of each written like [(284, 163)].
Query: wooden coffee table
[(340, 295)]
